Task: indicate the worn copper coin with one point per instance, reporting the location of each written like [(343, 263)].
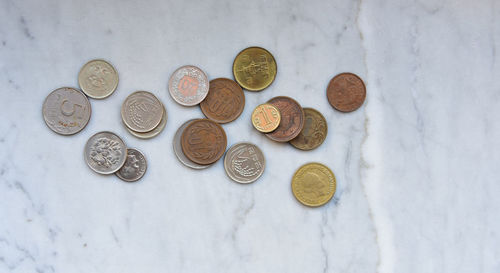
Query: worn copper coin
[(134, 168), (314, 131), (177, 143), (266, 118), (188, 85), (105, 152), (292, 119), (142, 111), (203, 141), (254, 68), (346, 92), (225, 101), (313, 184), (98, 79), (244, 162)]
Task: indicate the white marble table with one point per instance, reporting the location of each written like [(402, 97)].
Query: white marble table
[(417, 166)]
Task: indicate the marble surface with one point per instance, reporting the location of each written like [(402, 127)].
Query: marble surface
[(417, 166)]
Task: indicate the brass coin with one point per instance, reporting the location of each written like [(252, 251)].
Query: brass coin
[(156, 131), (266, 118), (313, 184), (254, 68), (98, 79), (225, 101), (292, 119), (203, 141), (313, 133), (346, 92)]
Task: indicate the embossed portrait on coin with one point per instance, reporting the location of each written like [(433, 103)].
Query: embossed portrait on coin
[(314, 185), (131, 166)]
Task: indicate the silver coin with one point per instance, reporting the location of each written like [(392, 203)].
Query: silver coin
[(134, 168), (244, 162), (66, 111), (178, 149), (156, 131), (105, 152), (188, 85), (142, 111), (98, 79)]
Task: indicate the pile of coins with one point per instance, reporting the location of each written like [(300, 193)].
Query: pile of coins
[(199, 143)]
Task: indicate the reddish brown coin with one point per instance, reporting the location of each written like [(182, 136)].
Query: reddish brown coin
[(203, 141), (292, 119), (346, 92), (225, 101)]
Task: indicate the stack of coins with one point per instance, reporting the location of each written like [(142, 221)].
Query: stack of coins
[(143, 115)]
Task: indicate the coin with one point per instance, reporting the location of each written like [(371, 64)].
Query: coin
[(266, 118), (156, 131), (225, 101), (178, 149), (292, 119), (142, 111), (188, 85), (98, 79), (313, 184), (254, 68), (314, 131), (346, 92), (66, 111), (203, 141), (244, 162), (134, 168), (105, 152)]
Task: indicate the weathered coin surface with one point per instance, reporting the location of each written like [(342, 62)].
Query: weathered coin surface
[(254, 68), (313, 184), (66, 111), (346, 92), (178, 149), (203, 141), (105, 152), (188, 85), (314, 131), (134, 168), (98, 79), (225, 101), (266, 118), (156, 131), (292, 119), (142, 111), (244, 162)]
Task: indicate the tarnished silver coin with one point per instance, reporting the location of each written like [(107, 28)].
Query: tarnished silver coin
[(244, 162), (178, 149), (105, 152), (66, 111), (142, 111), (156, 131), (98, 79), (134, 168), (188, 85)]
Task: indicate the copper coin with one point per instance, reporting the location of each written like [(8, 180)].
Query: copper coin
[(346, 92), (203, 141), (292, 119), (314, 132), (225, 101)]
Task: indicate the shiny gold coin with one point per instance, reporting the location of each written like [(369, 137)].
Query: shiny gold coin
[(156, 131), (266, 118), (313, 133), (313, 184), (254, 68)]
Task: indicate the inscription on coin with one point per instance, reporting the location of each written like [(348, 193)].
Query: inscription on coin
[(134, 168), (188, 85), (314, 131), (98, 79), (225, 101), (105, 152), (156, 131), (292, 119), (346, 92), (178, 149), (313, 184), (142, 111), (254, 68), (266, 118), (244, 162), (204, 141), (66, 111)]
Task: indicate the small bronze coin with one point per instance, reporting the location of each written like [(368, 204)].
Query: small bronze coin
[(292, 119), (346, 92), (203, 141), (314, 132), (225, 101), (314, 184), (266, 118)]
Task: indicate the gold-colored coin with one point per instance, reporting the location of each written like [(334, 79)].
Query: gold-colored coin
[(156, 131), (266, 118), (313, 133), (313, 184), (254, 68)]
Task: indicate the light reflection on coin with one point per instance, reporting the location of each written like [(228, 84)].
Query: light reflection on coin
[(142, 111), (66, 111), (105, 152), (188, 85), (313, 184), (244, 162), (156, 131), (98, 79), (134, 168), (314, 131), (178, 149)]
